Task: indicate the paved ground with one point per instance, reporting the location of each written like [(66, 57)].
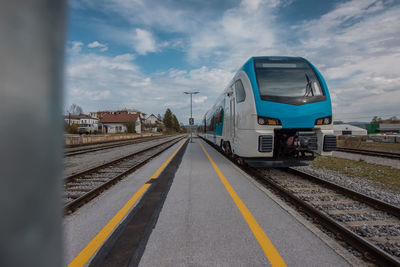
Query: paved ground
[(395, 163), (200, 225), (83, 225)]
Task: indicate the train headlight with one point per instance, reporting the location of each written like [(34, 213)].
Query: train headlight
[(324, 121), (268, 121)]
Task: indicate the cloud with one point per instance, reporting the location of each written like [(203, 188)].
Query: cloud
[(143, 42), (241, 32), (74, 47), (356, 46), (96, 82), (199, 99), (96, 44)]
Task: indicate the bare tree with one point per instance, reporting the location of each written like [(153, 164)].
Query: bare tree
[(75, 110), (376, 119)]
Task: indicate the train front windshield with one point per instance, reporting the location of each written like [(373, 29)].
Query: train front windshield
[(288, 81)]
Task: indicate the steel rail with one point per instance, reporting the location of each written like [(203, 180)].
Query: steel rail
[(108, 145), (376, 203), (369, 152), (90, 170), (76, 203), (368, 249)]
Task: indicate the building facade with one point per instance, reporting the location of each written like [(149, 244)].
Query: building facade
[(121, 122), (80, 119)]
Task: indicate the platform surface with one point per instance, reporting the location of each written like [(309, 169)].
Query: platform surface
[(200, 224), (83, 225)]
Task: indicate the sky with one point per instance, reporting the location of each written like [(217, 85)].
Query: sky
[(144, 54)]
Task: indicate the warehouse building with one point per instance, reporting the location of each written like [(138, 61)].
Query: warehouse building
[(347, 129), (389, 127)]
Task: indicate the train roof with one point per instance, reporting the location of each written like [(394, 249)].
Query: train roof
[(274, 58)]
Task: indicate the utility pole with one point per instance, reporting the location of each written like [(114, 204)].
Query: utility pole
[(191, 120)]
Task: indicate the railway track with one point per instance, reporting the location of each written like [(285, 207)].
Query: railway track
[(84, 186), (369, 225), (97, 147), (370, 152)]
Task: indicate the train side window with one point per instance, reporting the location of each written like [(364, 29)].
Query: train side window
[(213, 123), (220, 115), (240, 93)]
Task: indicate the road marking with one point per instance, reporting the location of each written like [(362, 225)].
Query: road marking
[(87, 252), (269, 250)]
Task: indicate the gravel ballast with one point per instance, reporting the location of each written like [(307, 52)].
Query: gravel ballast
[(368, 187)]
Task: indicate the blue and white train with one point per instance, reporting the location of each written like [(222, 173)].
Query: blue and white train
[(276, 112)]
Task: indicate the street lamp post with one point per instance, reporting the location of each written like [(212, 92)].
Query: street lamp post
[(191, 121)]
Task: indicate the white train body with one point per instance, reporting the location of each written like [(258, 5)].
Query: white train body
[(272, 131)]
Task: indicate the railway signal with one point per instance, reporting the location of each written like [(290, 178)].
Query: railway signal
[(191, 120)]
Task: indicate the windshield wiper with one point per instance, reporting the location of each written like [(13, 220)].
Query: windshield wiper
[(309, 89)]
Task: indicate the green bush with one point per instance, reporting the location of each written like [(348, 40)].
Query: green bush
[(71, 129), (130, 127)]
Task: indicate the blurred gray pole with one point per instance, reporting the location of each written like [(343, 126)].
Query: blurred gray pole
[(191, 116), (31, 69)]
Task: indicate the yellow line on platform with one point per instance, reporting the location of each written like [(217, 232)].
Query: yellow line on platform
[(86, 253), (270, 251)]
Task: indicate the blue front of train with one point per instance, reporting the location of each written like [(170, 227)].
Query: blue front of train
[(302, 118)]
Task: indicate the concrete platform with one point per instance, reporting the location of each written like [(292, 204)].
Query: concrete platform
[(200, 224), (81, 227)]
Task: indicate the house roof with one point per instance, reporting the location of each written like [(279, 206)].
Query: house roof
[(119, 118), (347, 127), (77, 117)]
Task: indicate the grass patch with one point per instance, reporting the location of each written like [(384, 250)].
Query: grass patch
[(362, 169), (375, 146)]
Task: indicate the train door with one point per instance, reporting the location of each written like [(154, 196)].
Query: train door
[(232, 116)]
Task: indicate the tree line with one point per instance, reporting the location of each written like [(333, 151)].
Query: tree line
[(171, 122), (378, 120)]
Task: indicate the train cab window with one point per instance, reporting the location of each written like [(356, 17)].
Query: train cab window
[(289, 81), (240, 93)]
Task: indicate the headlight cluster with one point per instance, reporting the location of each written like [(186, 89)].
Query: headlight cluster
[(268, 121), (324, 121)]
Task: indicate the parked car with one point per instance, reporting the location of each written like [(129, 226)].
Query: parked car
[(87, 128)]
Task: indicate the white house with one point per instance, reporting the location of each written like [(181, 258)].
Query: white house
[(72, 119), (152, 119), (80, 119), (116, 123), (153, 123), (88, 120)]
